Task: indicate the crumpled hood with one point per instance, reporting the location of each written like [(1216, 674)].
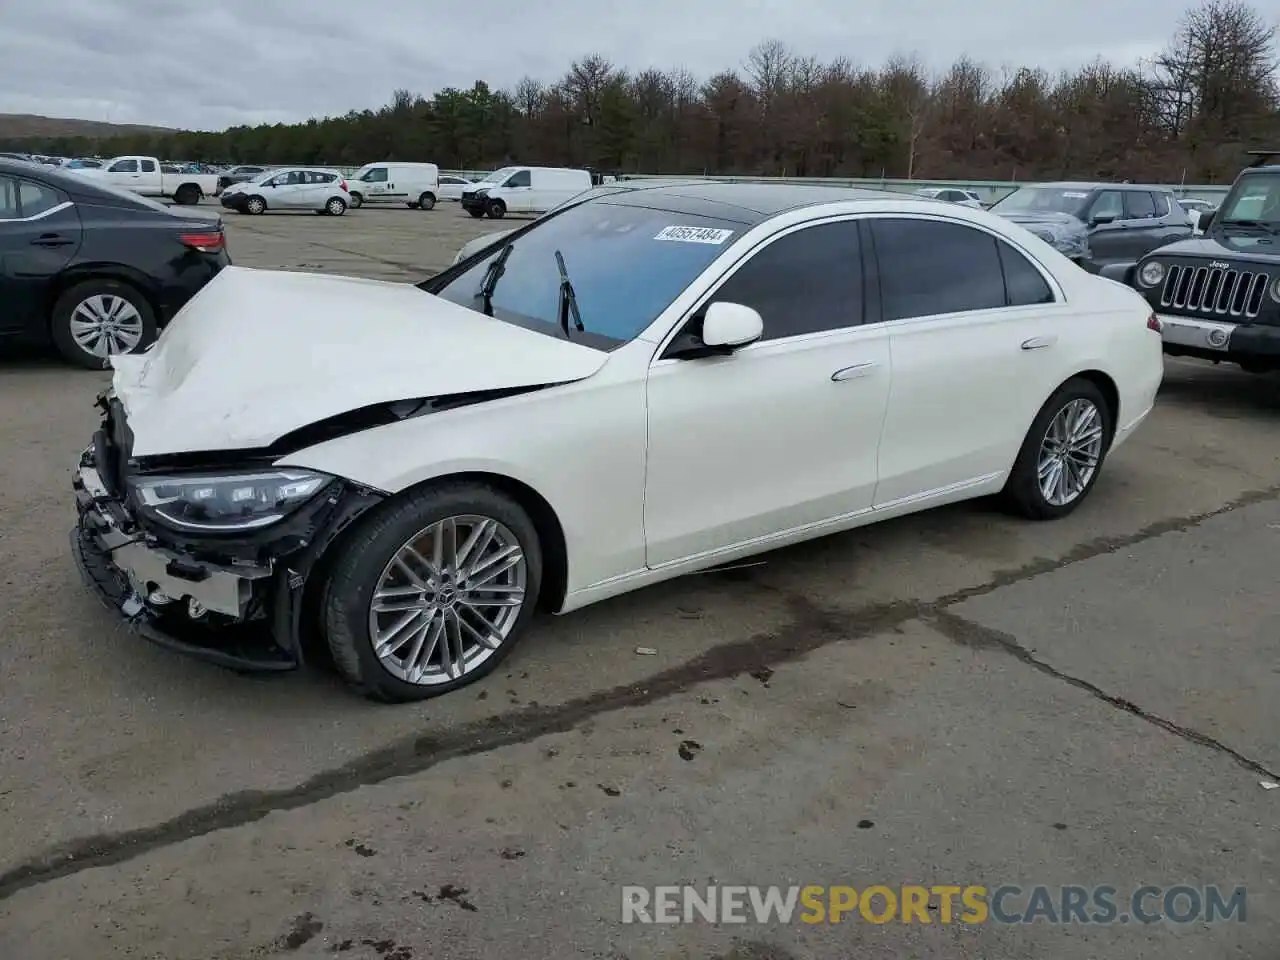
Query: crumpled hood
[(260, 353), (1065, 233), (1256, 248)]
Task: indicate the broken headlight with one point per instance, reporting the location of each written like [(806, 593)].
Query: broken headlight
[(226, 503)]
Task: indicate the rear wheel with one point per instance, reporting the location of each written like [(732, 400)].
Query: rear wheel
[(431, 591), (426, 201), (187, 195), (357, 201), (335, 207), (497, 209), (476, 213), (98, 319), (255, 205), (1062, 453)]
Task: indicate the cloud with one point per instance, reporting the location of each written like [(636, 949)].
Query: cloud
[(208, 66)]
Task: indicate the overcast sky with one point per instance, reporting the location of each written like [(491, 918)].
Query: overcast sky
[(207, 64)]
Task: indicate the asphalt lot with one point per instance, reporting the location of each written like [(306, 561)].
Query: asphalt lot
[(953, 698)]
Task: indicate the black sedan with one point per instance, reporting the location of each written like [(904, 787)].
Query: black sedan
[(95, 270)]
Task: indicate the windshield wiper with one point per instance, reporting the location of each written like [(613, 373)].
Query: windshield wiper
[(568, 300), (1252, 224), (492, 276)]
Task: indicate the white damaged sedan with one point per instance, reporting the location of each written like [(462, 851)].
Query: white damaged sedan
[(638, 386)]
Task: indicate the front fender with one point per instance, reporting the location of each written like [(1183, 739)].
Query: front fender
[(581, 447), (1119, 272)]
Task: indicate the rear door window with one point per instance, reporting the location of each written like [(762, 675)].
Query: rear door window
[(929, 267)]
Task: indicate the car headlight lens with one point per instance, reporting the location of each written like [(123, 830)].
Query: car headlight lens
[(1151, 273), (1275, 290), (226, 503)]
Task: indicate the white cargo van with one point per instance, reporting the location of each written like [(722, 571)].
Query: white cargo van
[(523, 190), (416, 185)]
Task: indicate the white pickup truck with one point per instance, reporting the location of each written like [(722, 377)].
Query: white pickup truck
[(144, 175)]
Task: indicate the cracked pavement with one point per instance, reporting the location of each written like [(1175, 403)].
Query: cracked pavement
[(956, 697)]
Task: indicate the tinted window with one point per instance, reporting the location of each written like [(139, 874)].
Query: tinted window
[(521, 179), (1139, 205), (626, 263), (1023, 283), (805, 282), (25, 198), (1164, 203), (148, 166), (1107, 204), (8, 199), (124, 166), (927, 267)]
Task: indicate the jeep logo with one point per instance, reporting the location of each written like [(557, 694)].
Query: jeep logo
[(1218, 265)]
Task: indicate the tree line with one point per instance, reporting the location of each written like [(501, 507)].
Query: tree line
[(1190, 114)]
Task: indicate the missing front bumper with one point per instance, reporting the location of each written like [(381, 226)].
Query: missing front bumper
[(244, 616)]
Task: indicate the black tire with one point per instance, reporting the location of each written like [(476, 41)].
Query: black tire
[(1022, 493), (496, 209), (426, 201), (357, 200), (64, 308), (255, 205), (335, 207), (476, 213), (367, 549), (187, 195)]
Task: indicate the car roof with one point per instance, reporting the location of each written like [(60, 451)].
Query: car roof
[(746, 203), (1097, 185)]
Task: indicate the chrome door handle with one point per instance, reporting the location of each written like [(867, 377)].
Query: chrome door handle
[(857, 370), (1038, 343)]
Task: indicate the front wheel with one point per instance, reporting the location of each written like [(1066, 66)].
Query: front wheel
[(431, 591), (476, 214), (426, 201), (255, 205), (99, 319), (497, 209), (357, 201), (1062, 453)]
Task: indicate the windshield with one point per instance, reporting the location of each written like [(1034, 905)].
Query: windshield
[(498, 175), (263, 177), (1043, 200), (1255, 199), (626, 265)]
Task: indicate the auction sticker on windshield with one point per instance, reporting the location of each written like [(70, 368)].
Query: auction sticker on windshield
[(694, 235)]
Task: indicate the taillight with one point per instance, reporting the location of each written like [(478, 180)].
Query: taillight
[(343, 185), (1153, 323), (204, 242)]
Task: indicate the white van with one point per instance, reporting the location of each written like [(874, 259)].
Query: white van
[(524, 190), (416, 185)]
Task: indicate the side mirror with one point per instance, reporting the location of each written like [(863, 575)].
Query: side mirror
[(725, 328), (731, 325), (1205, 220), (1099, 220)]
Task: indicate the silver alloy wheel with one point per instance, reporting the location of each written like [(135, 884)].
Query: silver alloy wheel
[(448, 599), (104, 325), (336, 207), (256, 206), (1070, 452)]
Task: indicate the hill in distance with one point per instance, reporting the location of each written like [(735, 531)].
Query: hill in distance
[(16, 126)]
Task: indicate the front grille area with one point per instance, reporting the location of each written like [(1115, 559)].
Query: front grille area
[(1214, 291)]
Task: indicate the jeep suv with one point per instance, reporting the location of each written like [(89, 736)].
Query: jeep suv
[(1217, 296)]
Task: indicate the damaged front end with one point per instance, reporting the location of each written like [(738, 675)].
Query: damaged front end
[(211, 559)]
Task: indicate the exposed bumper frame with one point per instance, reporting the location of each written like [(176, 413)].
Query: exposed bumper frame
[(250, 613)]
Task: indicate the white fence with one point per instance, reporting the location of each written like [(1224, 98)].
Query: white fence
[(989, 190)]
